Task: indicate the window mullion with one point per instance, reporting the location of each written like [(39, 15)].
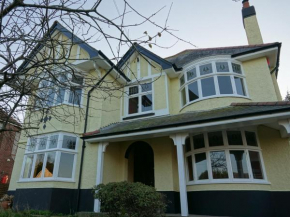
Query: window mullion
[(209, 169), (44, 165), (216, 84), (249, 165), (233, 84), (195, 178), (229, 165), (33, 165), (56, 164)]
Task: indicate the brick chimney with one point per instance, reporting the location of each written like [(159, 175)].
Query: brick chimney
[(251, 24)]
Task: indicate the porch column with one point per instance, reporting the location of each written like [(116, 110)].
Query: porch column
[(99, 179), (179, 141)]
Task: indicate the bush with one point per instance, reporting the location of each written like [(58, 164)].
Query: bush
[(125, 199)]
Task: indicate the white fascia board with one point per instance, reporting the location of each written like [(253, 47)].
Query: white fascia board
[(203, 127)]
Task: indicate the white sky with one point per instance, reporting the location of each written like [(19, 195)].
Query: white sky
[(212, 23)]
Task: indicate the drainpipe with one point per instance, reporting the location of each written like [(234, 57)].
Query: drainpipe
[(85, 130)]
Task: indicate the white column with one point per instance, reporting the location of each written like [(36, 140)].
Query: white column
[(179, 141), (99, 178)]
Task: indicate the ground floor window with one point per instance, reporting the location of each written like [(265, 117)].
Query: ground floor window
[(224, 156), (50, 157)]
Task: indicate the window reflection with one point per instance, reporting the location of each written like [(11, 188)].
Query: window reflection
[(38, 166), (201, 166), (219, 165), (239, 164), (65, 165)]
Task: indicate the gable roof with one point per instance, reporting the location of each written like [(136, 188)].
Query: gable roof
[(188, 56), (235, 110)]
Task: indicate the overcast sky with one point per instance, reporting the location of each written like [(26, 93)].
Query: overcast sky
[(213, 23)]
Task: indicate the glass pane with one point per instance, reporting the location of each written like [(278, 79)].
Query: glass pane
[(251, 138), (215, 139), (183, 97), (50, 97), (239, 164), (147, 103), (66, 165), (32, 144), (198, 141), (60, 95), (133, 90), (222, 67), (69, 142), (42, 143), (48, 172), (133, 105), (187, 145), (181, 80), (237, 68), (201, 166), (27, 167), (191, 74), (146, 87), (205, 69), (77, 79), (38, 166), (235, 137), (225, 85), (240, 86), (256, 165), (219, 165), (207, 86), (190, 168), (75, 96), (193, 91), (52, 143)]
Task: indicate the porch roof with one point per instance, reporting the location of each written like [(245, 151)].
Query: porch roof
[(232, 112)]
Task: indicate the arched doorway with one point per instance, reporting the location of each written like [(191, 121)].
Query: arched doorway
[(140, 163)]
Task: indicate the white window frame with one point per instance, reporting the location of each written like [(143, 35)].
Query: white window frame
[(139, 95), (58, 150), (214, 75), (226, 148)]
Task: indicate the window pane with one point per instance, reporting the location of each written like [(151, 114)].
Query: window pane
[(215, 139), (256, 165), (187, 145), (190, 168), (235, 137), (147, 103), (183, 97), (146, 87), (239, 164), (50, 97), (69, 142), (75, 96), (251, 138), (77, 79), (133, 90), (66, 165), (237, 68), (198, 141), (222, 67), (191, 74), (225, 85), (133, 105), (201, 166), (42, 143), (207, 86), (219, 165), (48, 172), (27, 167), (193, 91), (205, 69), (52, 143), (181, 80), (60, 95), (38, 166), (32, 144), (240, 86)]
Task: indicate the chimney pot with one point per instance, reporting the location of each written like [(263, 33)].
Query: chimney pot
[(246, 4)]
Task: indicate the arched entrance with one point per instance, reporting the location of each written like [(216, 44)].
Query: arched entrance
[(140, 163)]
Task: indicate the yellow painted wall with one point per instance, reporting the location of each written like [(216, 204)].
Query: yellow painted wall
[(253, 30), (276, 86), (159, 93)]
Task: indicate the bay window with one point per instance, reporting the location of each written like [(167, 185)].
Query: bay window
[(213, 79), (50, 157), (227, 156)]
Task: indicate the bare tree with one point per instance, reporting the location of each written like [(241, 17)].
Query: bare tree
[(287, 97), (36, 63)]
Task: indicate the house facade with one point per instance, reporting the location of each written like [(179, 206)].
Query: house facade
[(205, 127)]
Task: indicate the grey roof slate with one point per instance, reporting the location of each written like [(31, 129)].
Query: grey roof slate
[(187, 118)]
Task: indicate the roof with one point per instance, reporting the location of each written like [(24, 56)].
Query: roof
[(188, 56), (4, 116), (235, 110)]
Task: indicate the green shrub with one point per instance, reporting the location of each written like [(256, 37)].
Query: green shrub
[(127, 199)]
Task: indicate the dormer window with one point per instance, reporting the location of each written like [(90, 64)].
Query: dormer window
[(212, 79)]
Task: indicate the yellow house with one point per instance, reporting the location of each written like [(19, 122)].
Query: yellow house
[(205, 127)]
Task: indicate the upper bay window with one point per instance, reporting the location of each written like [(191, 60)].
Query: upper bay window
[(224, 156), (67, 89), (50, 157), (140, 99), (212, 79)]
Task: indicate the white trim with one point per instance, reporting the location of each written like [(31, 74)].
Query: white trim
[(285, 125)]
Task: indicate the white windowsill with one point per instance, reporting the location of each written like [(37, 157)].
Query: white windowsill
[(44, 180), (264, 182)]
